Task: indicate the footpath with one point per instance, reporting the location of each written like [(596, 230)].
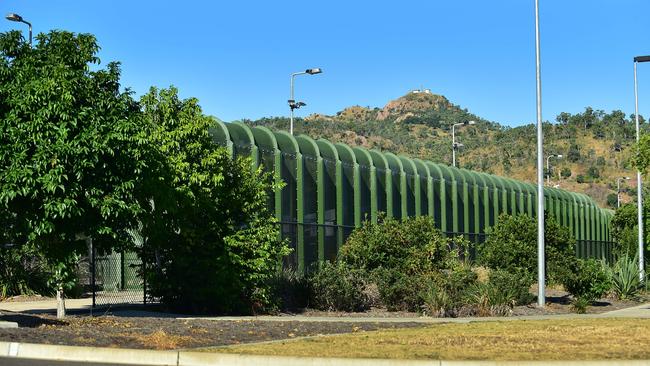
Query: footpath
[(81, 355)]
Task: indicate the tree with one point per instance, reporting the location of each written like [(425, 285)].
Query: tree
[(213, 241), (73, 152), (566, 172)]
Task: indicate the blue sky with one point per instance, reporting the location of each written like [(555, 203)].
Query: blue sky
[(236, 56)]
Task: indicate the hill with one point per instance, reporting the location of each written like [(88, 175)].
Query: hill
[(597, 147)]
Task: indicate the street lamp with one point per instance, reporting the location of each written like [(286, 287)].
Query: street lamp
[(17, 18), (454, 144), (292, 102), (548, 169), (541, 281), (639, 198), (618, 190)]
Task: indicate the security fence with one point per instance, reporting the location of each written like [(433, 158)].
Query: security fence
[(118, 278)]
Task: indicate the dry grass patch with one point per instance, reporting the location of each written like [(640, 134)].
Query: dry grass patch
[(162, 340), (565, 339)]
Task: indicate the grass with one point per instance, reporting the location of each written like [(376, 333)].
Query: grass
[(564, 339)]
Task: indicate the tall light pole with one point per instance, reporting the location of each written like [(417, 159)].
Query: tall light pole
[(639, 198), (541, 283), (292, 102), (17, 18), (618, 190), (455, 145), (548, 168)]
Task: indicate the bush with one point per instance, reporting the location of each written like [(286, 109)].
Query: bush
[(579, 305), (625, 277), (399, 291), (338, 287), (412, 246), (289, 290), (589, 282), (447, 295), (512, 247), (500, 293), (514, 285), (23, 271)]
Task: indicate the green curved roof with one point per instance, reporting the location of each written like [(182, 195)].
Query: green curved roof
[(240, 133), (264, 138)]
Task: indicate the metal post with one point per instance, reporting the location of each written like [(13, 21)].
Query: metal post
[(453, 145), (30, 33), (291, 107), (548, 171), (541, 294), (93, 273), (639, 198)]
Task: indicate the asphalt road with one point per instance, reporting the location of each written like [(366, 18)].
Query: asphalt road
[(13, 361)]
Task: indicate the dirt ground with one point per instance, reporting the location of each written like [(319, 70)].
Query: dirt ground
[(166, 333), (170, 333)]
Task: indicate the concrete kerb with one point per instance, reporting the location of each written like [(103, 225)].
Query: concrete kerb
[(5, 324), (189, 358)]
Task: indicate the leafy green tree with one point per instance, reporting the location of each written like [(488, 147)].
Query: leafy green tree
[(566, 172), (512, 246), (593, 172), (73, 151), (612, 200), (214, 243)]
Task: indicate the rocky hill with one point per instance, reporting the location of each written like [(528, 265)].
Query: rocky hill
[(597, 147)]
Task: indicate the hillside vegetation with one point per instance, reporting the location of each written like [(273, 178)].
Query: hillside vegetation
[(597, 147)]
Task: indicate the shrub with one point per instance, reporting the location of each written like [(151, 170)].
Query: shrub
[(447, 294), (625, 277), (399, 291), (338, 287), (412, 246), (589, 282), (500, 293), (514, 285), (290, 290), (512, 247), (579, 304), (23, 271)]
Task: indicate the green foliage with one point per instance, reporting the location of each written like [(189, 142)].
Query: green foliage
[(513, 287), (625, 277), (566, 172), (574, 153), (447, 295), (74, 157), (590, 281), (593, 172), (290, 289), (612, 200), (337, 286), (400, 291), (579, 304), (512, 246), (23, 271), (624, 229), (214, 243), (412, 246)]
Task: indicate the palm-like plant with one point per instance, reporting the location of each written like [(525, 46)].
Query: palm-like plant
[(625, 277)]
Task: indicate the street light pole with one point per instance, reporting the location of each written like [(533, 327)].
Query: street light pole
[(17, 18), (292, 102), (618, 190), (639, 198), (454, 145), (541, 283), (548, 169)]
